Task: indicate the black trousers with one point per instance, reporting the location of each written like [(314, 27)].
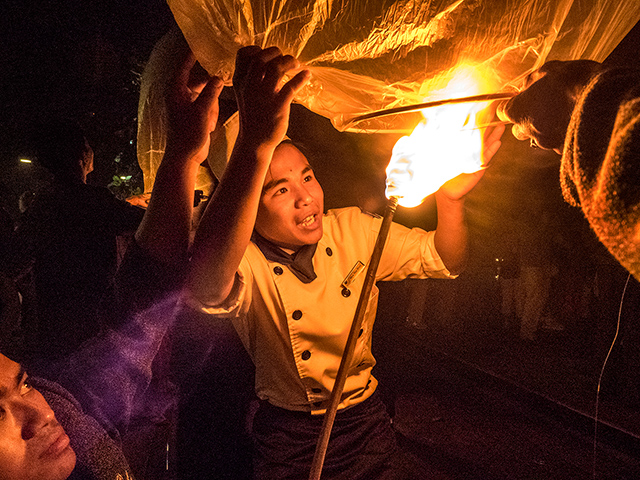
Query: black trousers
[(362, 443)]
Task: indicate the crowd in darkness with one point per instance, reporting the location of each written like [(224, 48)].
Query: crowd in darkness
[(64, 246)]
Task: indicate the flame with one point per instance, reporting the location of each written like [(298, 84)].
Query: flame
[(441, 147)]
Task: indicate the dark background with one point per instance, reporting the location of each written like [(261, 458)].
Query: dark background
[(75, 59)]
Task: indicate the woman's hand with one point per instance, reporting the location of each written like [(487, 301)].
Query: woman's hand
[(263, 101), (458, 187)]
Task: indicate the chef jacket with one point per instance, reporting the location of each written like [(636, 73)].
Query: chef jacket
[(296, 332)]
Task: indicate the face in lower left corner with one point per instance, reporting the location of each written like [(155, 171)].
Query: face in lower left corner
[(33, 445)]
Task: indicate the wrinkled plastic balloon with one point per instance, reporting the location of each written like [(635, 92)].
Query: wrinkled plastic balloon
[(370, 55)]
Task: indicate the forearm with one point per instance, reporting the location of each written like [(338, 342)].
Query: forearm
[(451, 235), (164, 230), (226, 227)]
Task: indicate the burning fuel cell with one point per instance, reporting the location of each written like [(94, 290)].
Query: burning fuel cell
[(445, 144)]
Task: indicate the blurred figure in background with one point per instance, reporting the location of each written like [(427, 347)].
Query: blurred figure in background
[(68, 234), (509, 277), (9, 296), (537, 269)]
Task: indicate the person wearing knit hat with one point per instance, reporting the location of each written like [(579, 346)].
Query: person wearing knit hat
[(590, 115)]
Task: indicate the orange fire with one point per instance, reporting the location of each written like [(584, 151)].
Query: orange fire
[(445, 144)]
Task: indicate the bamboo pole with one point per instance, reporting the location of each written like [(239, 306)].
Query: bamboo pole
[(347, 356), (421, 106)]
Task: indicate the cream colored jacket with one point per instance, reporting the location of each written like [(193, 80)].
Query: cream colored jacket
[(296, 332)]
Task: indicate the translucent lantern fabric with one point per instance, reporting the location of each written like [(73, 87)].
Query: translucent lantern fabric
[(369, 55)]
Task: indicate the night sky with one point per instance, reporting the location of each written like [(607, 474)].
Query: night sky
[(75, 55)]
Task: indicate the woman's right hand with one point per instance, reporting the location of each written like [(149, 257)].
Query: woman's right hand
[(263, 101)]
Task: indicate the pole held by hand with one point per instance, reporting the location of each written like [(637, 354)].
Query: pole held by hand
[(347, 356)]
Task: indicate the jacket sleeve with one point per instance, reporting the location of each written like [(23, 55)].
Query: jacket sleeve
[(408, 252)]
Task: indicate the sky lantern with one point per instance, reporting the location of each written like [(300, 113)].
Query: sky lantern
[(367, 56)]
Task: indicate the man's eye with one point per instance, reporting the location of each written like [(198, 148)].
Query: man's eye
[(308, 178), (25, 387), (280, 191)]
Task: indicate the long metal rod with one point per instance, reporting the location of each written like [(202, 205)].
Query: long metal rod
[(347, 356), (420, 106)]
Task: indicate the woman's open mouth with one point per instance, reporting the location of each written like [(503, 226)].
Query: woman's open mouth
[(309, 221)]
